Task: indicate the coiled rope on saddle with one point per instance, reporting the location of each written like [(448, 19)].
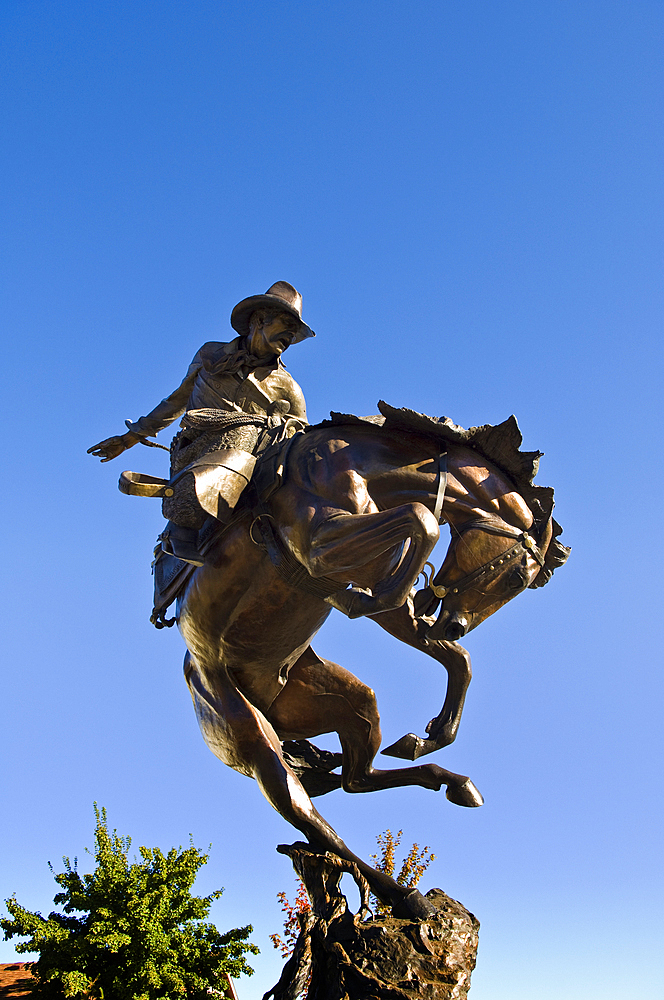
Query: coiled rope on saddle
[(209, 418)]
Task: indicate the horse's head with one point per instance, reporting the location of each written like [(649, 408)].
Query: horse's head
[(487, 565)]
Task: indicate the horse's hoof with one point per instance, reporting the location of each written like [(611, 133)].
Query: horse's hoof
[(351, 602), (465, 794), (409, 747), (414, 906)]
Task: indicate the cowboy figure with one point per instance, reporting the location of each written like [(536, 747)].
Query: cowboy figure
[(231, 393)]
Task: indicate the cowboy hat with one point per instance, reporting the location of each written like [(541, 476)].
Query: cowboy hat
[(280, 295)]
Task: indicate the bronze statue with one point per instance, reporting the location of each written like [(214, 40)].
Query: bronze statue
[(243, 376), (344, 514)]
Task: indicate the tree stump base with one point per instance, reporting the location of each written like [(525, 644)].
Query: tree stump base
[(346, 956)]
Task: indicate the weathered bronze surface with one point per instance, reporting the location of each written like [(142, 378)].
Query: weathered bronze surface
[(343, 515), (344, 955)]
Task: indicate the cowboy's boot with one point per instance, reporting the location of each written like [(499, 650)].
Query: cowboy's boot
[(182, 543)]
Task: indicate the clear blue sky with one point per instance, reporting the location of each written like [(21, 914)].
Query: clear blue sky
[(469, 196)]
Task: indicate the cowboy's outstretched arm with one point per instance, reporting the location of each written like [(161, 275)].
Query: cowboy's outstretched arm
[(156, 420), (112, 447)]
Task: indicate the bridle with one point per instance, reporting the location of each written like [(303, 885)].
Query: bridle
[(524, 543)]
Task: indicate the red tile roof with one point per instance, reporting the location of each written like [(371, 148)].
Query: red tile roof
[(15, 980)]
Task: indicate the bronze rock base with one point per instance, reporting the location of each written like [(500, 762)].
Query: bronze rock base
[(345, 956)]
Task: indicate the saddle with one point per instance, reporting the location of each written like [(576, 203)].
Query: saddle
[(221, 479)]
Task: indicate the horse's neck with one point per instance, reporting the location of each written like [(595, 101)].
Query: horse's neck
[(480, 495)]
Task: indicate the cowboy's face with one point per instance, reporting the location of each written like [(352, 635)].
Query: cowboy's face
[(273, 336)]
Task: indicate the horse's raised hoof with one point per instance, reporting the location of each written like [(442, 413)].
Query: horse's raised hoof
[(409, 747), (349, 601), (414, 906), (465, 794)]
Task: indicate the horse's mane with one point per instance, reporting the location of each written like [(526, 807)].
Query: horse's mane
[(499, 443)]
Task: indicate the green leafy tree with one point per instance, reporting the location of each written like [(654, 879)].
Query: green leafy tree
[(142, 934)]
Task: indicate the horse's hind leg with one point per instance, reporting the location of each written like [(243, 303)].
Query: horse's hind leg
[(442, 730), (243, 738), (322, 697)]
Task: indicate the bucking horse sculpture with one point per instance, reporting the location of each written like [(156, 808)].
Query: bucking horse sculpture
[(351, 525)]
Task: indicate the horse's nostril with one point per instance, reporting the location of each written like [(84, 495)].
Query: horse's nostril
[(456, 628)]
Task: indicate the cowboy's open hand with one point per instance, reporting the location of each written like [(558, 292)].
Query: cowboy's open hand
[(113, 446)]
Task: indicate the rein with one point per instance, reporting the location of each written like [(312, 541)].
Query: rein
[(442, 486)]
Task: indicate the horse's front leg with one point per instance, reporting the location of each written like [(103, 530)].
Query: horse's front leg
[(349, 543), (442, 730)]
